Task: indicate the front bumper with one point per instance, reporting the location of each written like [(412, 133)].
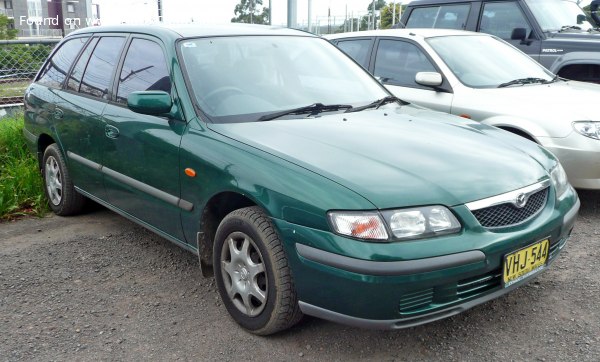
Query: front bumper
[(580, 157), (380, 292)]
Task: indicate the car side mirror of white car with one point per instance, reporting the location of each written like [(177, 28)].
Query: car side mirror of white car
[(429, 79)]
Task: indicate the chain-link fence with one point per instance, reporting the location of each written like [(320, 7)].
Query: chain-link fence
[(19, 62)]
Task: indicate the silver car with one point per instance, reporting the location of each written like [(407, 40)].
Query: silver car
[(481, 77)]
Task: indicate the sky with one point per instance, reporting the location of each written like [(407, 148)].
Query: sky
[(219, 11)]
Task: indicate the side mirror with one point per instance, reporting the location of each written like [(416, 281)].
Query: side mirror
[(429, 79), (581, 18), (150, 102), (594, 11), (518, 34)]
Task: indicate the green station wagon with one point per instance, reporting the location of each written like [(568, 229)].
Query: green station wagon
[(301, 183)]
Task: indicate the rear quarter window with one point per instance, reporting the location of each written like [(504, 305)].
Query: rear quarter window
[(55, 72)]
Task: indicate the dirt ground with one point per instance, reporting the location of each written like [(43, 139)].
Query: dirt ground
[(98, 287)]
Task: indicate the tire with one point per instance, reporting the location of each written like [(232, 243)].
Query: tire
[(58, 186), (252, 273)]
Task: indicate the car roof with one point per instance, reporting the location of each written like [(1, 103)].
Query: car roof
[(193, 30), (436, 2), (405, 33)]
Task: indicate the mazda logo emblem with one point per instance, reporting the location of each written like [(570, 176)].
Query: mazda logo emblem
[(521, 200)]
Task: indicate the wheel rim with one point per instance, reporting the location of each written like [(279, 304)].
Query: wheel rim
[(53, 179), (244, 275)]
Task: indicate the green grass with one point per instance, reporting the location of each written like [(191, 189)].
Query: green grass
[(21, 191)]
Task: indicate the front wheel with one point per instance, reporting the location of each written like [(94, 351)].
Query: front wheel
[(58, 186), (252, 273)]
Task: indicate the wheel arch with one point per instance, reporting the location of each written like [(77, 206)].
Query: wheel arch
[(522, 127), (44, 140), (585, 65), (217, 207)]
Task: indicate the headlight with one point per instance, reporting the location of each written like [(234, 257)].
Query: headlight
[(559, 179), (588, 128), (421, 222), (363, 225)]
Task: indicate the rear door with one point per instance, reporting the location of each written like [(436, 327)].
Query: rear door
[(84, 98), (142, 151)]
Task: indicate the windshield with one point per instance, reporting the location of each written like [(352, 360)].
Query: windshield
[(481, 61), (241, 79), (558, 14)]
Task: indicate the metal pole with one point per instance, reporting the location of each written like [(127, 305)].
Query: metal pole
[(292, 18), (160, 11), (310, 16), (270, 14), (373, 11), (346, 20), (393, 13)]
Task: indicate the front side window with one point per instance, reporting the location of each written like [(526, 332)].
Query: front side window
[(442, 17), (494, 63), (240, 79), (100, 68), (144, 69), (500, 19), (56, 69), (357, 49), (398, 62)]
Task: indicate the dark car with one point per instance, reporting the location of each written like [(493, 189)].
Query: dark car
[(293, 173), (556, 33)]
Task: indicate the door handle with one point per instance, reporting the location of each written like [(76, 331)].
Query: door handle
[(111, 131)]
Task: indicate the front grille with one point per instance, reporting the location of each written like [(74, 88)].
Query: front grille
[(507, 214)]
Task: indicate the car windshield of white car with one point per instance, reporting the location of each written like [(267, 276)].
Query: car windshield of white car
[(482, 61)]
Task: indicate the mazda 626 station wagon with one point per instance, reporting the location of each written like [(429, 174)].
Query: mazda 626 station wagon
[(301, 182)]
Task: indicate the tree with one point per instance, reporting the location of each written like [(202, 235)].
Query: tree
[(386, 15), (247, 11), (6, 28), (378, 5)]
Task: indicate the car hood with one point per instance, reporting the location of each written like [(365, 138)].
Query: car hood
[(556, 105), (398, 158)]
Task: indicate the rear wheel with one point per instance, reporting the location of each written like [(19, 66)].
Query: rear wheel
[(252, 273), (58, 186)]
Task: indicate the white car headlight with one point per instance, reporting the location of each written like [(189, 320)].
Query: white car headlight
[(559, 179), (361, 224), (421, 222), (588, 128)]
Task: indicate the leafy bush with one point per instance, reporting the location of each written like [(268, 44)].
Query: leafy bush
[(22, 58), (21, 190)]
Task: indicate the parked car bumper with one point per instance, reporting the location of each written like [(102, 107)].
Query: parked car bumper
[(580, 157), (389, 287)]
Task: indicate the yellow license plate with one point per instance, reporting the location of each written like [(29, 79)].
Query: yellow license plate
[(525, 262)]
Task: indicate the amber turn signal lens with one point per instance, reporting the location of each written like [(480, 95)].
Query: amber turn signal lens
[(190, 172)]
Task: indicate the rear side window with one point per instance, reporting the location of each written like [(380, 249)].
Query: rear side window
[(77, 72), (442, 17), (144, 69), (99, 70), (398, 62), (357, 49), (55, 71)]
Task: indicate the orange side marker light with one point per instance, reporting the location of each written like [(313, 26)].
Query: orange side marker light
[(190, 172)]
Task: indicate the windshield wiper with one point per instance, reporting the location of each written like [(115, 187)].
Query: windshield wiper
[(376, 104), (525, 81), (569, 27), (312, 109)]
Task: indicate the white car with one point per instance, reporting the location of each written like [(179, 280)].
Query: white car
[(481, 77)]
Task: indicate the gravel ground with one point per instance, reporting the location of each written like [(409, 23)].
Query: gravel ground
[(98, 287)]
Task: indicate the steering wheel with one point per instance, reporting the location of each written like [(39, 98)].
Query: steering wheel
[(224, 91)]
